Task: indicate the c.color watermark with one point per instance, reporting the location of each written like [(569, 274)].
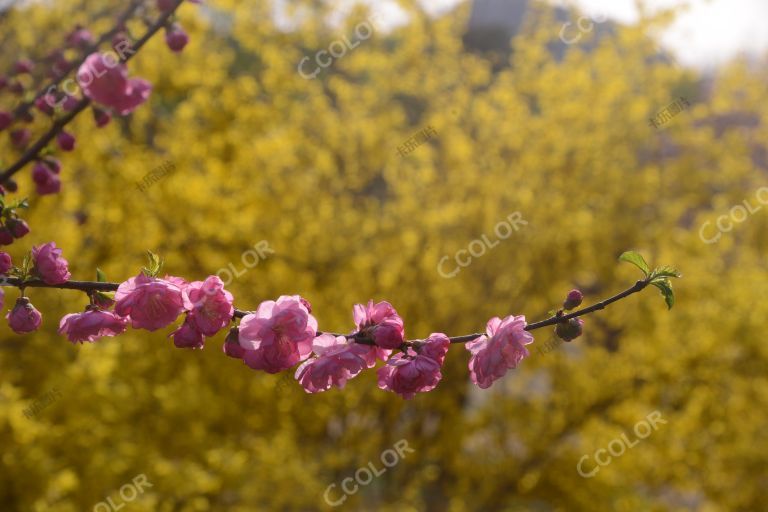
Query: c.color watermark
[(477, 248), (363, 31), (128, 493), (389, 458), (262, 248), (123, 49), (736, 214), (582, 29), (642, 429)]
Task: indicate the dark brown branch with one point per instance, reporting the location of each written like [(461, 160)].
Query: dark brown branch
[(92, 286)]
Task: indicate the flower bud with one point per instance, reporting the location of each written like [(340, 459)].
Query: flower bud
[(17, 227), (45, 104), (16, 88), (24, 318), (80, 38), (101, 116), (70, 103), (176, 38), (5, 262), (66, 141), (570, 329), (573, 300), (232, 346), (53, 165), (6, 120), (23, 66), (187, 336), (46, 181), (165, 5), (6, 237), (20, 138)]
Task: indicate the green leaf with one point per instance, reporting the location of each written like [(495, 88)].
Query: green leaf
[(637, 260), (666, 290), (664, 273), (155, 265), (100, 275)]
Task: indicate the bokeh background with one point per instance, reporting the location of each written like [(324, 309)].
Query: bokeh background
[(524, 123)]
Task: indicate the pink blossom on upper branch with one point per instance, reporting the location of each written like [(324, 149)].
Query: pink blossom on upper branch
[(150, 302), (381, 323), (106, 81), (49, 265), (278, 335), (24, 318), (337, 361), (94, 323), (500, 350), (209, 305), (46, 179), (415, 371)]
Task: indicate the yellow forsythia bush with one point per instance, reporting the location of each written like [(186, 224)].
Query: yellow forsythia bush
[(313, 171)]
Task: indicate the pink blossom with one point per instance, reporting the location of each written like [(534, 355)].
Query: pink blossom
[(412, 372), (381, 323), (416, 371), (46, 180), (94, 323), (106, 81), (49, 265), (188, 336), (24, 318), (150, 302), (338, 361), (435, 347), (500, 350), (5, 262), (176, 38), (278, 335), (209, 304)]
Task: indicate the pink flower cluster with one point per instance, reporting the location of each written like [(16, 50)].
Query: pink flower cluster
[(279, 335)]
